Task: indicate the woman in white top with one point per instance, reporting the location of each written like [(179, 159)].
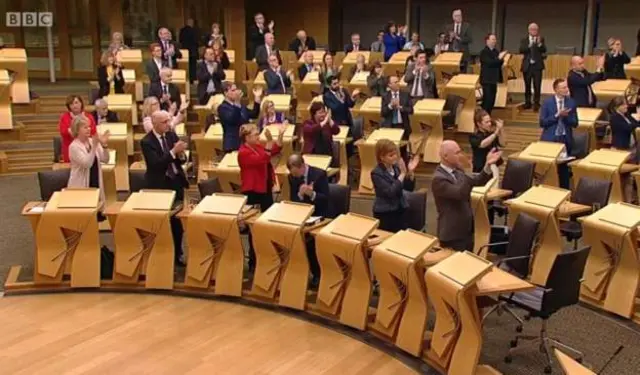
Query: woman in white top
[(86, 153), (151, 104)]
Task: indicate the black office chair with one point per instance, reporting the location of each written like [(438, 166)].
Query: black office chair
[(518, 177), (522, 239), (416, 213), (208, 187), (57, 149), (561, 290), (52, 181), (451, 104), (580, 146), (136, 180), (339, 200), (589, 192)]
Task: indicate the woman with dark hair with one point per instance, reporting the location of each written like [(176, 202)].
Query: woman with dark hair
[(488, 135), (623, 125), (394, 39), (328, 69), (318, 131), (220, 56), (75, 107), (376, 81)]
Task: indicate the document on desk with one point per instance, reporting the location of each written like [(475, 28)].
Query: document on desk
[(313, 220)]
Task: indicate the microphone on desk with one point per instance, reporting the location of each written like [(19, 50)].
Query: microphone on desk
[(615, 354)]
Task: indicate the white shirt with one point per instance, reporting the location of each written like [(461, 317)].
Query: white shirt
[(159, 136), (396, 95), (448, 170), (158, 63), (211, 87), (532, 41), (416, 90)]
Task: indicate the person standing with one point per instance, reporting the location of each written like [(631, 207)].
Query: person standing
[(170, 51), (420, 78), (460, 38), (491, 61), (534, 53), (615, 60), (394, 39), (257, 32), (264, 51), (396, 108), (486, 137), (210, 75), (233, 114), (579, 81), (189, 37)]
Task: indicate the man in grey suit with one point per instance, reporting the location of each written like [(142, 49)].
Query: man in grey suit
[(420, 78), (451, 188), (460, 36)]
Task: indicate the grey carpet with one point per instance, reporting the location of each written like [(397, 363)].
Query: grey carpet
[(596, 334)]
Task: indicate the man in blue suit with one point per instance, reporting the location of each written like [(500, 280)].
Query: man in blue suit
[(233, 114), (558, 117)]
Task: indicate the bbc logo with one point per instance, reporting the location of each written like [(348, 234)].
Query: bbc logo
[(29, 19)]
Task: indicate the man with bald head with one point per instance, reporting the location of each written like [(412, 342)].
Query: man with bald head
[(170, 50), (267, 49), (534, 53), (302, 43), (308, 65), (451, 188), (164, 154), (580, 81)]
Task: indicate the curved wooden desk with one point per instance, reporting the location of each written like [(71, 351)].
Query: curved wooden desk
[(228, 173), (464, 86), (445, 66), (368, 162), (126, 108), (118, 141), (131, 59), (426, 123), (480, 197), (587, 118), (6, 117), (15, 60), (370, 111), (604, 164), (208, 146), (546, 156)]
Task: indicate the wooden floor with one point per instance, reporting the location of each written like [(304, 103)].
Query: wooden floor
[(148, 334)]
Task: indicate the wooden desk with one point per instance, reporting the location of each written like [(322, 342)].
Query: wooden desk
[(427, 130), (502, 95), (118, 141), (359, 81), (587, 118), (132, 59), (464, 86), (317, 57), (15, 60), (126, 108), (370, 110), (6, 116), (545, 155), (208, 146), (368, 162), (610, 88), (604, 164), (570, 366), (445, 66), (480, 196), (396, 63)]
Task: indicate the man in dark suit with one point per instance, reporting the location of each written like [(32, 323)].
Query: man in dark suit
[(396, 108), (490, 72), (307, 66), (580, 80), (558, 118), (339, 101), (164, 155), (309, 185), (302, 43), (257, 31), (355, 45), (233, 114), (277, 81), (534, 53), (267, 49), (170, 50), (451, 188), (153, 66), (166, 92), (102, 114), (210, 76), (460, 36), (189, 37), (420, 78)]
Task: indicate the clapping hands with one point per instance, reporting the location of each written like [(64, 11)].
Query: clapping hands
[(257, 93), (493, 157)]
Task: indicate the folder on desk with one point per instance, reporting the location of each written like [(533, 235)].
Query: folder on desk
[(463, 268), (223, 204)]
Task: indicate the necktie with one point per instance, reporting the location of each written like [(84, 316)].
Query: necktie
[(396, 118), (164, 90), (560, 129), (457, 29), (309, 68), (171, 171)]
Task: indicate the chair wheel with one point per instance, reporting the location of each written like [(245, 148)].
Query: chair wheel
[(519, 328), (513, 343), (547, 369), (508, 359)]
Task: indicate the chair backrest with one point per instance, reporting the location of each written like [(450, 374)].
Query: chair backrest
[(416, 213), (592, 191), (357, 130), (57, 149), (339, 200), (564, 280), (335, 161), (518, 176), (52, 181), (208, 187), (521, 241), (451, 104), (580, 145), (136, 180)]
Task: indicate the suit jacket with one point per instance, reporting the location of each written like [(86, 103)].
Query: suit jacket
[(189, 39), (159, 161), (232, 118), (463, 44), (377, 85), (405, 110), (340, 110), (303, 70), (349, 48), (622, 129), (389, 190), (490, 67), (377, 46), (262, 58), (549, 122), (453, 202), (155, 89), (428, 80), (580, 87), (110, 117), (256, 37), (534, 53), (274, 85), (296, 45), (105, 86), (313, 134), (151, 68), (320, 181), (203, 76), (614, 65), (173, 61)]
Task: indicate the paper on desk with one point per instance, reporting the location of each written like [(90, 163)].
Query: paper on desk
[(37, 209), (313, 220)]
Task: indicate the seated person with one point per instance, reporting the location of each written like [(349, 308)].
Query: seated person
[(308, 66), (167, 92), (75, 107), (102, 114), (277, 81), (328, 69), (390, 179), (376, 81), (151, 104), (269, 116), (359, 67), (220, 56)]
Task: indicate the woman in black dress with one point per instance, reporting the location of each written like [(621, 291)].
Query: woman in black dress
[(488, 135)]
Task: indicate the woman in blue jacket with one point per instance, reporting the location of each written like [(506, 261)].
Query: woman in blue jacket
[(394, 39)]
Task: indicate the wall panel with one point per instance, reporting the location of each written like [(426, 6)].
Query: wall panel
[(366, 17), (620, 19)]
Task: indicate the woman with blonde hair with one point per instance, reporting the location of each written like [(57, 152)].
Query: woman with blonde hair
[(216, 36), (268, 115), (151, 104), (86, 153), (117, 43), (110, 78)]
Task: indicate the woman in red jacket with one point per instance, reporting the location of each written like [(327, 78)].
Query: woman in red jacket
[(256, 172), (75, 107)]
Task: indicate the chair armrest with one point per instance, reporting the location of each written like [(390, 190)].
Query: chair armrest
[(493, 244)]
